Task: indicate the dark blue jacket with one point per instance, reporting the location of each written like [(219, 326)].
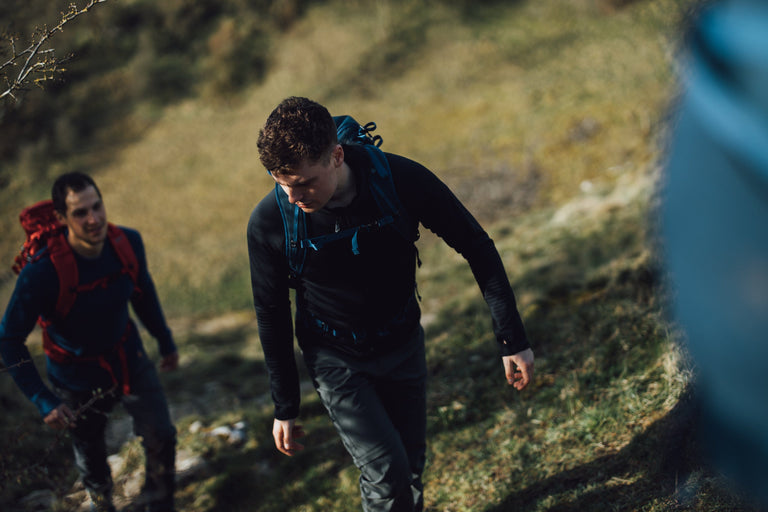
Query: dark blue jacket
[(93, 327)]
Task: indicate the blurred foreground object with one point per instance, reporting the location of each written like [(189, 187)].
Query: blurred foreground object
[(715, 225)]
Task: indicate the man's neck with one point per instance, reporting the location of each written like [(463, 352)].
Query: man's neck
[(86, 250), (346, 189)]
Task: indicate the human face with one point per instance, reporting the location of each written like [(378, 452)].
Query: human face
[(313, 186), (86, 219)]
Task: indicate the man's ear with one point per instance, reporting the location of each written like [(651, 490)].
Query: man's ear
[(337, 155), (61, 218)]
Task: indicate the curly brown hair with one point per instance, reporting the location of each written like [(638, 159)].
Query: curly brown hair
[(298, 130)]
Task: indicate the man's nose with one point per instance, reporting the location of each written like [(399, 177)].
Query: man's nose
[(92, 217), (294, 196)]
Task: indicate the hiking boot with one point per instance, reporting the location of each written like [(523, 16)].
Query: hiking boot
[(102, 505), (101, 502)]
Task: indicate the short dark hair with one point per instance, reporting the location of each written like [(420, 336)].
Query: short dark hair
[(74, 181), (297, 130)]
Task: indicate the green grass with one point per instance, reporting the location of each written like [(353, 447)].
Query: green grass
[(545, 117)]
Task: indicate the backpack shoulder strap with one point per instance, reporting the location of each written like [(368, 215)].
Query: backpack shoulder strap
[(295, 229), (383, 188), (124, 251), (63, 259)]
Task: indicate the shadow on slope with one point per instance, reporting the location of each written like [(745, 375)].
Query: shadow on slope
[(667, 455)]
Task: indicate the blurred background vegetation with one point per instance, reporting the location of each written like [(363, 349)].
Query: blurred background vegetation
[(548, 120)]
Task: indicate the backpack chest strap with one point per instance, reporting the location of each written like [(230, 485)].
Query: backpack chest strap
[(316, 243)]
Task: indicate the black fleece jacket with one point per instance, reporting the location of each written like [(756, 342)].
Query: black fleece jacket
[(363, 292)]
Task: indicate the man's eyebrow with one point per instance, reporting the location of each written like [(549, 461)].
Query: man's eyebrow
[(301, 182), (84, 209)]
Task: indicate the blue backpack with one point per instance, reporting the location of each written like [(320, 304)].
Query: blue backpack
[(348, 131)]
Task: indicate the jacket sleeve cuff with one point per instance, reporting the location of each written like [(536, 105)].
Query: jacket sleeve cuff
[(511, 346), (46, 401), (286, 412)]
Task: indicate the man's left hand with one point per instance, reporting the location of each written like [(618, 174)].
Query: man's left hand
[(519, 368), (169, 362)]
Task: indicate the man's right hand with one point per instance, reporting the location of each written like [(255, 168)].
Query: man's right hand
[(285, 432), (60, 418)]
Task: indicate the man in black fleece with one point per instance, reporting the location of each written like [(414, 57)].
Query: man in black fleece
[(357, 317)]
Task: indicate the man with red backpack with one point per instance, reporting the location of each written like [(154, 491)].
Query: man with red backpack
[(78, 273)]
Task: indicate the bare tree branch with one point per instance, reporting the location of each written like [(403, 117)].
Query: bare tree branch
[(36, 64), (40, 465), (20, 363)]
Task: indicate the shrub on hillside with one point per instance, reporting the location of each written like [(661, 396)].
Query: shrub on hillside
[(126, 54)]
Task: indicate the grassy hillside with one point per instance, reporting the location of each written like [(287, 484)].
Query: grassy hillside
[(546, 117), (531, 98)]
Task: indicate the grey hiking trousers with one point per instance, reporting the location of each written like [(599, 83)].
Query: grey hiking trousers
[(378, 406), (151, 421)]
